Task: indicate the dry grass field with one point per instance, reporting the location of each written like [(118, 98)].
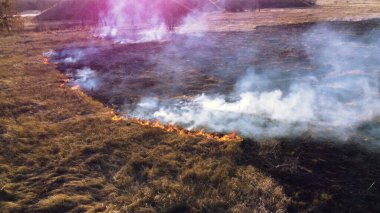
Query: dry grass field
[(60, 151), (323, 11)]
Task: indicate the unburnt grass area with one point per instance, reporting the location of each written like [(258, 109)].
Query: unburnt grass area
[(61, 151)]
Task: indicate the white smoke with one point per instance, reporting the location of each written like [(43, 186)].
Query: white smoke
[(335, 104), (195, 23), (86, 78), (50, 54), (70, 55), (336, 98), (153, 34), (129, 21)]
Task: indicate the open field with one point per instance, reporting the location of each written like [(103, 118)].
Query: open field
[(61, 151), (249, 20), (165, 80), (326, 11)]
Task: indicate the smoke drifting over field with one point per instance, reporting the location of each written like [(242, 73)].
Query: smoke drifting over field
[(336, 98), (129, 21), (325, 82)]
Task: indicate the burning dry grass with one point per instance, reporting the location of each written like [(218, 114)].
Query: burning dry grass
[(61, 151), (183, 132)]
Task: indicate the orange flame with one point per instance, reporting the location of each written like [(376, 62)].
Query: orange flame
[(76, 87), (156, 124), (45, 60), (233, 136), (64, 82)]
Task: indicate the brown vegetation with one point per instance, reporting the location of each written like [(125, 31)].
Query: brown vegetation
[(172, 11), (6, 15), (61, 151), (241, 5), (22, 5), (248, 21), (85, 10)]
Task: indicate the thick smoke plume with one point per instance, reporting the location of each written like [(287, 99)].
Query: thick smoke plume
[(130, 21), (337, 97)]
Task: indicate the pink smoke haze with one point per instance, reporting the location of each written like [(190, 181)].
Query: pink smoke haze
[(132, 21)]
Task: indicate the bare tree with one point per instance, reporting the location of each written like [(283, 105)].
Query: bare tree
[(6, 14), (173, 11)]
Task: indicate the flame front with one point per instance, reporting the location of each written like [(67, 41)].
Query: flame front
[(233, 136), (45, 60), (75, 87)]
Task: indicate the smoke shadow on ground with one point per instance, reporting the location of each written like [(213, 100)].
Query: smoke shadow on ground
[(319, 176)]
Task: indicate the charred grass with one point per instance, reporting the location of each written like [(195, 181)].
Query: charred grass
[(319, 176), (60, 151)]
